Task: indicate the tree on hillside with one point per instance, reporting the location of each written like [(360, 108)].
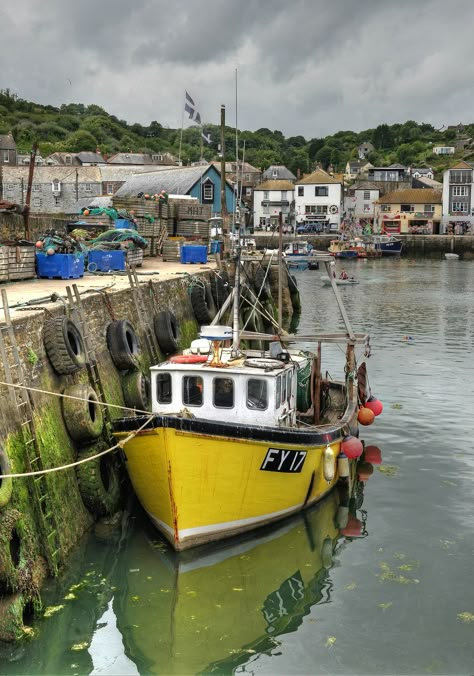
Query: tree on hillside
[(323, 156), (382, 137), (80, 140)]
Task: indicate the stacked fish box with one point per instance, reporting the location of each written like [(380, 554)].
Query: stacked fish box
[(135, 258), (171, 250), (151, 217), (4, 256), (21, 262), (192, 220)]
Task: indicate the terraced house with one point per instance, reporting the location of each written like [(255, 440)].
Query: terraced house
[(458, 196), (414, 211)]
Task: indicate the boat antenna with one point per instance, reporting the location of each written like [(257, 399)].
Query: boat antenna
[(235, 327), (280, 270), (236, 187)]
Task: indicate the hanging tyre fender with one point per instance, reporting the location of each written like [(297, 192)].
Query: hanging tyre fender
[(220, 288), (99, 481), (83, 416), (64, 345), (166, 331), (6, 485), (136, 390), (16, 552), (202, 303), (123, 344)]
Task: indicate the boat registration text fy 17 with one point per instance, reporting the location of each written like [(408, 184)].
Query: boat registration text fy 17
[(279, 460)]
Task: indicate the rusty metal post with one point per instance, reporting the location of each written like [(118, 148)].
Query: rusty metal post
[(26, 214)]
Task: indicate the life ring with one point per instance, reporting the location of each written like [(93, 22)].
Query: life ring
[(15, 553), (123, 344), (98, 481), (136, 390), (203, 303), (333, 209), (188, 359), (64, 345), (82, 416), (6, 485), (263, 363), (166, 331)]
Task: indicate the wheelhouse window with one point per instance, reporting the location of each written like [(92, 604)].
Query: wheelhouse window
[(223, 392), (289, 382), (163, 388), (278, 392), (192, 391), (283, 388), (257, 394)]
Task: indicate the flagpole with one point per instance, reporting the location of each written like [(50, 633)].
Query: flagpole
[(181, 134)]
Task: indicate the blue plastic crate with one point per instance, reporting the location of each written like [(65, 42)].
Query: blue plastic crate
[(61, 266), (121, 223), (105, 261), (216, 246), (193, 253)]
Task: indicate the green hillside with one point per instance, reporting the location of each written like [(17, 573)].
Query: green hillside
[(74, 127)]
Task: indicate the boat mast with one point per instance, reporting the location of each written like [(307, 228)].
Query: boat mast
[(280, 271)]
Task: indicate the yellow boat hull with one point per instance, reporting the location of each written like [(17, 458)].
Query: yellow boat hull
[(198, 488)]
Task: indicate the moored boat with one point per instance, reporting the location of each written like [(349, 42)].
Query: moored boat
[(228, 449), (387, 245), (338, 281)]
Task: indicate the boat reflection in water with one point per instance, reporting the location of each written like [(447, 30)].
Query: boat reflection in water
[(215, 608)]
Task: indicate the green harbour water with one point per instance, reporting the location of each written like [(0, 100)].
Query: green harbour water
[(302, 597)]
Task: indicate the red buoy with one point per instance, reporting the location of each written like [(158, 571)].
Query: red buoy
[(375, 405), (352, 447), (373, 454), (364, 470), (353, 528), (365, 416)]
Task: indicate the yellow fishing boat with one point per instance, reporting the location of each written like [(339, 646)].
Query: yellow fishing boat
[(228, 449)]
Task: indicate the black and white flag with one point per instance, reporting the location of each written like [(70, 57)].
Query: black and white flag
[(190, 108)]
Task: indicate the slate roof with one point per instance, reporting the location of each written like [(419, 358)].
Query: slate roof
[(365, 185), (275, 185), (90, 158), (412, 196), (178, 181), (114, 172), (421, 170), (47, 174), (140, 158), (283, 173), (7, 142), (318, 176)]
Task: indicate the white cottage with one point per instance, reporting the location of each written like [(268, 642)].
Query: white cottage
[(318, 198), (269, 198), (359, 203)]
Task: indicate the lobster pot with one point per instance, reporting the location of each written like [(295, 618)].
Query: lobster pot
[(139, 206), (21, 262), (135, 257), (147, 229), (193, 229), (96, 219), (193, 211), (4, 256), (172, 250)]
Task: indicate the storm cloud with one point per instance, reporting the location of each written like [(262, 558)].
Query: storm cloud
[(304, 67)]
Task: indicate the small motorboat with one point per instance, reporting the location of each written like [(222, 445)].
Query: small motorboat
[(451, 256), (340, 282)]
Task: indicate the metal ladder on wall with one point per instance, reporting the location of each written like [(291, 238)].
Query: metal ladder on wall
[(23, 402), (145, 327), (95, 381), (160, 239)]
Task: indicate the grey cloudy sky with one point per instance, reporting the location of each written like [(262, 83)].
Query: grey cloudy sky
[(310, 67)]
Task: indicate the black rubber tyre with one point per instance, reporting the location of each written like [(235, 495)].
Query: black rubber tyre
[(83, 419), (15, 553), (136, 390), (202, 303), (166, 331), (99, 482), (6, 485), (64, 345), (220, 288), (123, 344)]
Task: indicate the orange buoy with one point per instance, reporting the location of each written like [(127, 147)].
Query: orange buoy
[(373, 454), (375, 405), (39, 244), (365, 416), (86, 212)]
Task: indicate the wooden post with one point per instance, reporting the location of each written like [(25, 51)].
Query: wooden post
[(26, 215), (280, 271)]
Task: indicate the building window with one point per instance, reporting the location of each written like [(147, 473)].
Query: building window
[(10, 187), (110, 188), (263, 220), (301, 191), (6, 156), (247, 177), (56, 201), (192, 390), (283, 195), (459, 207), (274, 173), (207, 194), (310, 209), (385, 208), (367, 194), (157, 158), (257, 396), (459, 190), (248, 192), (460, 176), (88, 187), (321, 191), (163, 388), (266, 194), (223, 393), (407, 208), (351, 193), (36, 201), (36, 187), (56, 185), (429, 208), (366, 207), (68, 159)]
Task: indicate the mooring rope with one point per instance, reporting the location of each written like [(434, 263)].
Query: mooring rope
[(119, 444)]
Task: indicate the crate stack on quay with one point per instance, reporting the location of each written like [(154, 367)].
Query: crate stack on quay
[(151, 219)]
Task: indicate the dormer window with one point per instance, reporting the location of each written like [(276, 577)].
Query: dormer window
[(157, 158), (68, 159), (275, 173), (207, 192)]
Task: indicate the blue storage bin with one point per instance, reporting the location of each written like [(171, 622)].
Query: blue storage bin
[(193, 253), (216, 246), (121, 223), (105, 261), (61, 266)]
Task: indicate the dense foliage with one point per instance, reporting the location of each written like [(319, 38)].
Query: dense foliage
[(74, 127)]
